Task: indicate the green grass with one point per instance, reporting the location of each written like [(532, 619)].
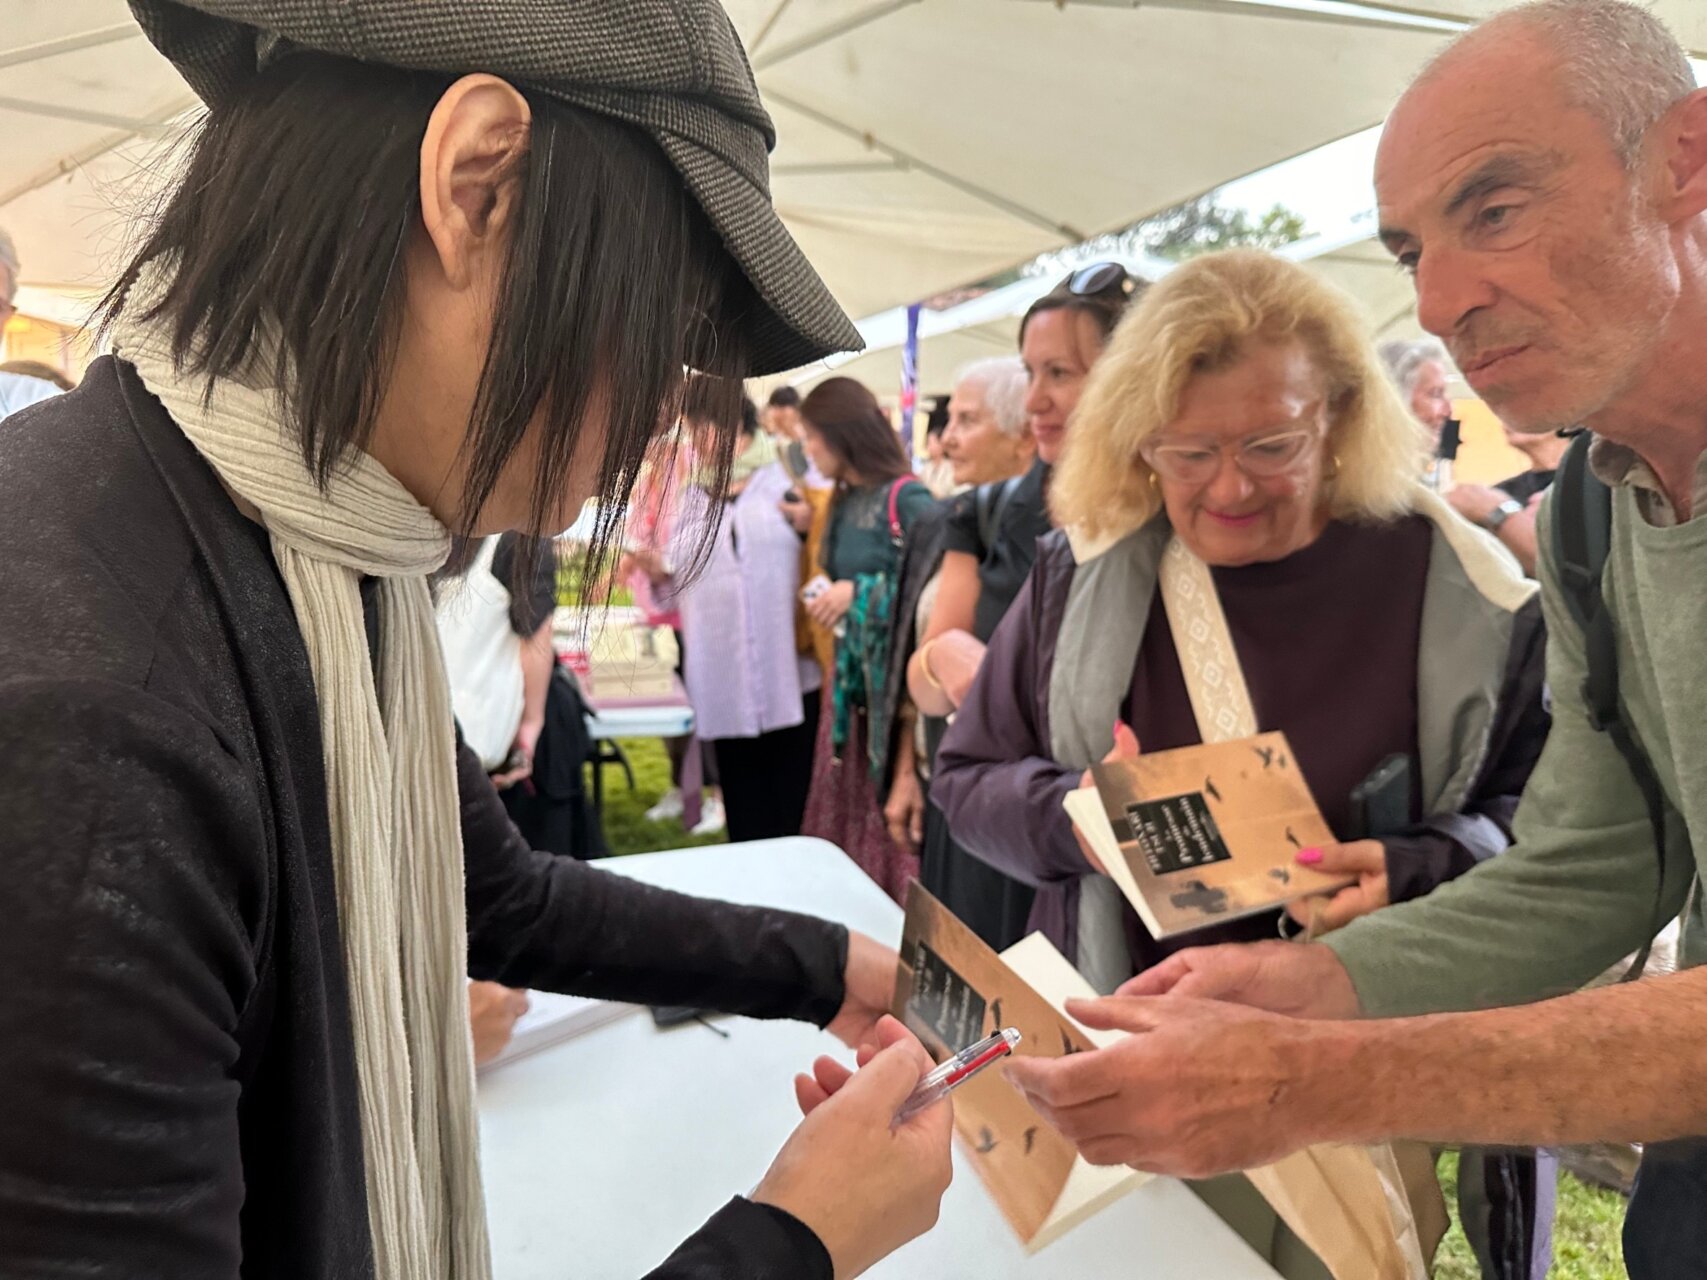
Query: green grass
[(1585, 1233), (626, 827)]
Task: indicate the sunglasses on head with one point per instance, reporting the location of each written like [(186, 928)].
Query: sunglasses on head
[(1098, 279)]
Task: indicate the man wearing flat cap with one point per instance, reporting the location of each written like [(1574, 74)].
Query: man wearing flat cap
[(432, 269)]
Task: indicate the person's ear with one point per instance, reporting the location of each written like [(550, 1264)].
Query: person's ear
[(476, 137), (1683, 136)]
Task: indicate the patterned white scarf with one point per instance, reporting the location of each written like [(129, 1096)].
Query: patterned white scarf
[(391, 797)]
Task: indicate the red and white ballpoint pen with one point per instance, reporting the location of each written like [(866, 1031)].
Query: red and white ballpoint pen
[(958, 1070)]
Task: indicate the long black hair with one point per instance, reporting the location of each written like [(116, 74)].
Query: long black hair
[(284, 243)]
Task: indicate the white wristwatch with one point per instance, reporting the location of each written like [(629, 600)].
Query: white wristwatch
[(1500, 514)]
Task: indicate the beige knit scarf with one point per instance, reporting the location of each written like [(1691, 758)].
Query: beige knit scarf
[(391, 797)]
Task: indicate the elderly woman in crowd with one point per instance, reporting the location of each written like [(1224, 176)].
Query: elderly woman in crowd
[(755, 697), (1418, 369), (876, 503), (1240, 489), (989, 448)]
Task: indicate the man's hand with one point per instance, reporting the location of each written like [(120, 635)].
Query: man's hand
[(869, 982), (830, 604), (492, 1013), (863, 1184), (1303, 981), (1476, 502), (1365, 859), (1125, 748), (904, 813), (1198, 1089)]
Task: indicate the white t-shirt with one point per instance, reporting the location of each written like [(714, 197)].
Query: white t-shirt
[(18, 391)]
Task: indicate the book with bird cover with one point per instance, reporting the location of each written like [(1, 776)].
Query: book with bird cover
[(952, 991), (1207, 834)]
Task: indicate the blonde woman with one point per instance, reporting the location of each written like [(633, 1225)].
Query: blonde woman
[(1240, 472)]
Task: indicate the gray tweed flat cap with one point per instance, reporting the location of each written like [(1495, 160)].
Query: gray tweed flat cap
[(675, 68)]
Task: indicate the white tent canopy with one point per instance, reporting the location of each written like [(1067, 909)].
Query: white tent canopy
[(923, 143), (82, 97), (926, 143)]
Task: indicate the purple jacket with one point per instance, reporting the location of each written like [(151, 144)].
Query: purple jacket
[(1002, 792)]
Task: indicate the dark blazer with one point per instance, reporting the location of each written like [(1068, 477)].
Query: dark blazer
[(177, 1077)]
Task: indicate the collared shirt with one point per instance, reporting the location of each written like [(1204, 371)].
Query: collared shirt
[(19, 391), (1619, 464)]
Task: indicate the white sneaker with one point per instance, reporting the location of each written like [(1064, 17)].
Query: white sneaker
[(711, 819), (669, 806)]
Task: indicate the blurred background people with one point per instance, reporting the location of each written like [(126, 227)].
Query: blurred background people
[(755, 696), (647, 533), (782, 415), (523, 717), (1508, 509), (876, 501), (937, 473), (20, 387), (1419, 368), (1264, 525)]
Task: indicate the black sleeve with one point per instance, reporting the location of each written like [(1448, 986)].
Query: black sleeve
[(961, 524), (1444, 846), (134, 889), (532, 583), (558, 924), (747, 1241)]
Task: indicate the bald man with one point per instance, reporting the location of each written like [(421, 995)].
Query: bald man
[(1545, 181)]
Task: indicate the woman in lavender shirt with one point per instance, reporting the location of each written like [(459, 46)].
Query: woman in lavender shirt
[(755, 699)]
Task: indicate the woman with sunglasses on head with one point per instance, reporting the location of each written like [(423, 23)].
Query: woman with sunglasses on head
[(424, 275), (1245, 547), (990, 539)]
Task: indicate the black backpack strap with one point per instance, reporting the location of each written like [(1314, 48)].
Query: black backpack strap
[(1582, 540)]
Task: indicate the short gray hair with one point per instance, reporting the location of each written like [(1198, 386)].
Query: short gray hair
[(1620, 63), (9, 260), (1405, 358), (1002, 380)]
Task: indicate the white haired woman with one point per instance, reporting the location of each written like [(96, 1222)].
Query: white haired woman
[(1240, 485), (989, 445), (1418, 368)]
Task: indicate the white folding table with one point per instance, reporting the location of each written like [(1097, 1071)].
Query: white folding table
[(605, 1152)]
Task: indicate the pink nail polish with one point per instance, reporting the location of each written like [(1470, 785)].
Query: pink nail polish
[(1310, 857)]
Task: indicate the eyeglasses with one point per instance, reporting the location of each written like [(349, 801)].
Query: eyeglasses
[(1199, 461), (1099, 278)]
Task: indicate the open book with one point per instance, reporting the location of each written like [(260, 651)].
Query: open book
[(952, 991), (552, 1018), (1206, 834)]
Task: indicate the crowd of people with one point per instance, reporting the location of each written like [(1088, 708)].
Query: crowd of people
[(298, 872)]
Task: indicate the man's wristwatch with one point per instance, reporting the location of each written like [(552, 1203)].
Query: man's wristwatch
[(1500, 514)]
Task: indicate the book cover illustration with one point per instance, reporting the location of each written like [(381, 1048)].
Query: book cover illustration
[(1205, 834), (953, 990)]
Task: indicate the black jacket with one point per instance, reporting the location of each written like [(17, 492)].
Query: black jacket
[(177, 1078)]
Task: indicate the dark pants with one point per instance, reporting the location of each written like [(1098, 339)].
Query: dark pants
[(765, 779), (1665, 1231), (1505, 1205)]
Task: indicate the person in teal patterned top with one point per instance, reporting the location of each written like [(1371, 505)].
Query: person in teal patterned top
[(850, 440)]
